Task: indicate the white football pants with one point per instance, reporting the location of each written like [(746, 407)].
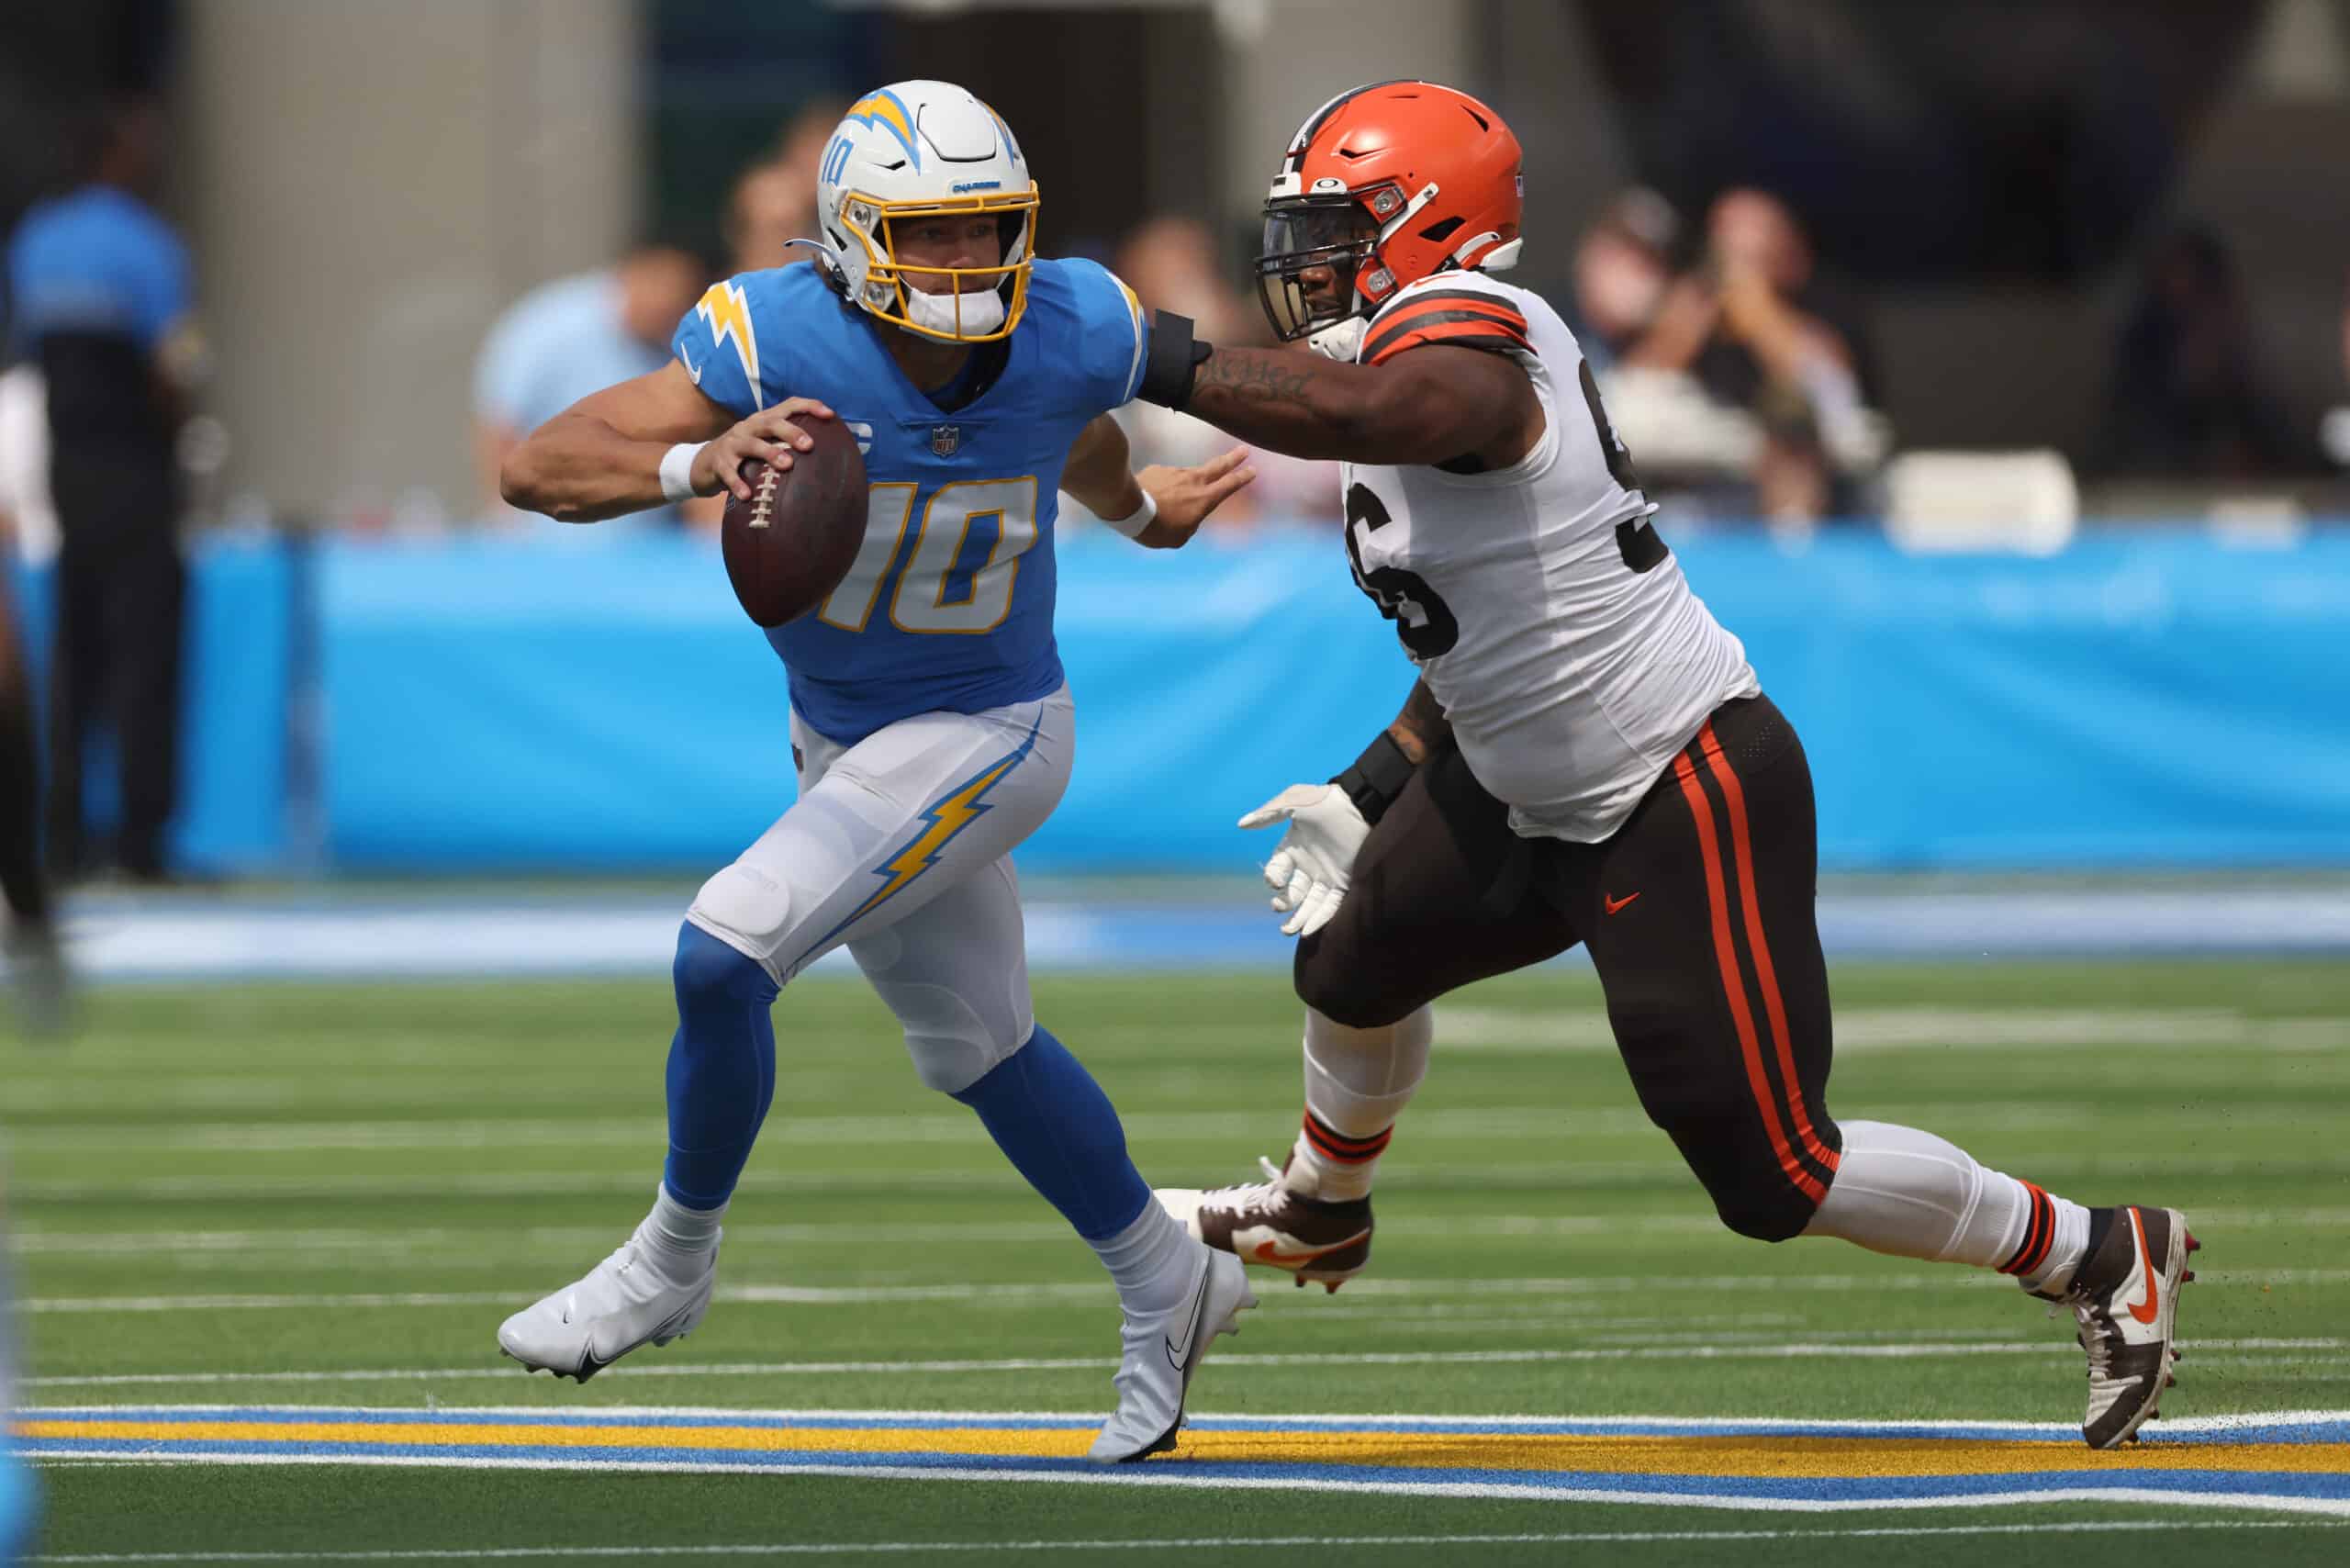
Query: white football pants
[(900, 847)]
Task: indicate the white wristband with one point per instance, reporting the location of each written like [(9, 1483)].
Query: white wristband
[(678, 470), (1134, 522)]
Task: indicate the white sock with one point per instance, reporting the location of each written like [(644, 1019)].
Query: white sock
[(2066, 1252), (683, 1236), (1907, 1193), (1149, 1260), (1356, 1083)]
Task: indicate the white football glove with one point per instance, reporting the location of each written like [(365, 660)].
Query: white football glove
[(1311, 867)]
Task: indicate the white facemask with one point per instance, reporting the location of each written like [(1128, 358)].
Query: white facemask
[(981, 312)]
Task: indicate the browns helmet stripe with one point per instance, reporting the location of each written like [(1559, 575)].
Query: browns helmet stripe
[(1321, 117)]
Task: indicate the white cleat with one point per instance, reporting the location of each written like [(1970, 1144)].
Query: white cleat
[(625, 1301), (1161, 1349)]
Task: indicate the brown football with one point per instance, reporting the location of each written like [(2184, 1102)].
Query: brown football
[(793, 541)]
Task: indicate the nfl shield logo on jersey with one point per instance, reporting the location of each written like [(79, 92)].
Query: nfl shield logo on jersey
[(943, 438)]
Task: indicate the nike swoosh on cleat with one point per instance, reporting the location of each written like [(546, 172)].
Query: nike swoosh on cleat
[(2151, 1307), (1177, 1354), (1267, 1252)]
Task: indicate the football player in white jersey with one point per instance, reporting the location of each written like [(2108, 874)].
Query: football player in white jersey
[(1586, 757)]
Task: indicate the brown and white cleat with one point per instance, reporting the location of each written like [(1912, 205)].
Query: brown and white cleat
[(1280, 1223), (2125, 1297)]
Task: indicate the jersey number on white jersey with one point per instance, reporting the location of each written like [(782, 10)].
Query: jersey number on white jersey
[(1634, 539), (1424, 621), (928, 598)]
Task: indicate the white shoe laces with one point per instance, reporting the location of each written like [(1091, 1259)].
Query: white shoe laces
[(2094, 1340), (1271, 1194)]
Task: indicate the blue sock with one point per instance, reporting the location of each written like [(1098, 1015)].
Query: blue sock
[(1053, 1122), (721, 1068)]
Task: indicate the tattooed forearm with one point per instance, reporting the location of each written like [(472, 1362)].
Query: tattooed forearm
[(1252, 375), (1427, 405), (1421, 727), (1300, 404)]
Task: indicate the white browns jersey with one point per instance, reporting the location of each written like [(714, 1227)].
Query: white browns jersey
[(1544, 613)]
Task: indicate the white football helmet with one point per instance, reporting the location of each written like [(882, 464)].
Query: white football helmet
[(919, 149)]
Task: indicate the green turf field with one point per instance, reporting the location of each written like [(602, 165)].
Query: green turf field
[(300, 1196)]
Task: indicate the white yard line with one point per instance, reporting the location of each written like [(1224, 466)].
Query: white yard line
[(1180, 1543), (1519, 1123), (2181, 1168), (1011, 1294), (144, 1244), (1797, 1350)]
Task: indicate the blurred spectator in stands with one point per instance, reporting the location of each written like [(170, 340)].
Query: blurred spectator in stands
[(2334, 433), (1623, 266), (774, 200), (105, 305), (2185, 400), (1755, 329), (801, 141), (771, 205), (1172, 264), (573, 336)]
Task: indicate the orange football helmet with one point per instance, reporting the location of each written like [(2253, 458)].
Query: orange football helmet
[(1383, 186)]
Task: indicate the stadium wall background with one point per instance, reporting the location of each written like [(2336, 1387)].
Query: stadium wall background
[(2149, 699)]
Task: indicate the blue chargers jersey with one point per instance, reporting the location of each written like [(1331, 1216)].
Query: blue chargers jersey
[(949, 605)]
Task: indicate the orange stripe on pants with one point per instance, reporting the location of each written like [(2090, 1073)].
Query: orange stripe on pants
[(1734, 797), (1733, 986)]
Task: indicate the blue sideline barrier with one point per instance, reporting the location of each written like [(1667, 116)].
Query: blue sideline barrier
[(2141, 699), (233, 810)]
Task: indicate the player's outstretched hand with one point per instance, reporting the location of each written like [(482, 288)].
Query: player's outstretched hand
[(769, 434), (1315, 858), (1189, 497)]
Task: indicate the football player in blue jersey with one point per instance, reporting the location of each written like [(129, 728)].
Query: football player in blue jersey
[(930, 721), (19, 1496)]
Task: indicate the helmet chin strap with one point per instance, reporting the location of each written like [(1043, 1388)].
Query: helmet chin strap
[(981, 312)]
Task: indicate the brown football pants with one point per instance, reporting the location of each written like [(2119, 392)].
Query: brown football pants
[(1699, 914)]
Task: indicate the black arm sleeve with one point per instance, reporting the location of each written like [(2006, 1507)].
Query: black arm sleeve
[(1174, 360)]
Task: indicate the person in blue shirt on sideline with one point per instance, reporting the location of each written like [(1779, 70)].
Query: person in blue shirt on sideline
[(931, 722), (573, 336), (103, 301)]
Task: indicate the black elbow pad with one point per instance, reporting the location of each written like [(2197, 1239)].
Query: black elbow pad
[(1174, 359)]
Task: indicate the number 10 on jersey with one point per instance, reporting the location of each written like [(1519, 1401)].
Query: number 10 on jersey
[(939, 592)]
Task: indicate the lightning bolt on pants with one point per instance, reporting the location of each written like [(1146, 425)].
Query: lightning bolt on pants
[(899, 848)]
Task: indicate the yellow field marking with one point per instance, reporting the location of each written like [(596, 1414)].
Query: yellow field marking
[(1761, 1457)]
